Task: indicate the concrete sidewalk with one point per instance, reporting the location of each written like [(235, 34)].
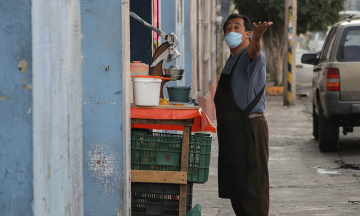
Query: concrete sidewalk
[(303, 181)]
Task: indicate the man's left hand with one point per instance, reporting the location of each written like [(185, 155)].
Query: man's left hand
[(260, 28)]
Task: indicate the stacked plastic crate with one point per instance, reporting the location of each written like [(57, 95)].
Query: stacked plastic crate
[(162, 152)]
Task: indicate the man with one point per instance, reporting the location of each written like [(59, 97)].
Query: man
[(242, 128)]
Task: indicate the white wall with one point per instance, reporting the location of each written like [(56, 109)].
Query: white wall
[(57, 100)]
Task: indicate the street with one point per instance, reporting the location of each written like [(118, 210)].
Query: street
[(303, 180)]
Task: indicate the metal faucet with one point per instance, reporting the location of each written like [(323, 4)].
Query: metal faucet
[(170, 53)]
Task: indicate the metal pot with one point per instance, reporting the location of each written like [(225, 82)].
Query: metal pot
[(179, 93)]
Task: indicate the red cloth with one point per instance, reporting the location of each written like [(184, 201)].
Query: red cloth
[(201, 121)]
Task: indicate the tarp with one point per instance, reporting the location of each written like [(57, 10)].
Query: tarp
[(201, 121)]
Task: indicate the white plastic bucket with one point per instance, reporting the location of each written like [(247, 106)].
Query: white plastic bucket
[(146, 91), (137, 68)]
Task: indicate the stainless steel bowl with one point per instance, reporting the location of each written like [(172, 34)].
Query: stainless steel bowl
[(174, 73), (174, 77)]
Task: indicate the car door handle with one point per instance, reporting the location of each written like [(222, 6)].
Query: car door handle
[(317, 69)]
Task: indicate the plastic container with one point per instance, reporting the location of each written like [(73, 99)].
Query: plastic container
[(137, 69), (158, 199), (146, 90), (162, 152), (178, 93)]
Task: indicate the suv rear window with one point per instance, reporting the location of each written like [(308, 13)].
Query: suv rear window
[(349, 47)]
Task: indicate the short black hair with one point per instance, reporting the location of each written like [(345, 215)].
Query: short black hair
[(247, 22)]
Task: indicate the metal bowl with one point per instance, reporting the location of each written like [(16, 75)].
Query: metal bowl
[(174, 71), (174, 77), (175, 74)]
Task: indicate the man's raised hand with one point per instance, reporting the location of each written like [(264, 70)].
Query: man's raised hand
[(260, 28)]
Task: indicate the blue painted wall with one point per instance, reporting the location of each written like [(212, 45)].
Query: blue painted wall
[(169, 24), (187, 42), (102, 77), (16, 174), (179, 19)]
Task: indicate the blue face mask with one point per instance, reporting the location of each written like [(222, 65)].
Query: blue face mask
[(233, 39)]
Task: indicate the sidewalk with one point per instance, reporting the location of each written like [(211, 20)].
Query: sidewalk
[(207, 194), (303, 181)]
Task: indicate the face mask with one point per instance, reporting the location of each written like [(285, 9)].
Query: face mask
[(233, 39)]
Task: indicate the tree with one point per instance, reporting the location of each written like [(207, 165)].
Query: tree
[(312, 15)]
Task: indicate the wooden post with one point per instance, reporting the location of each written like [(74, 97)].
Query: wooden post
[(184, 168), (293, 51), (290, 46), (286, 35)]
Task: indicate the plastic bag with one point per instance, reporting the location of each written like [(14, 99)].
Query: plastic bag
[(196, 211)]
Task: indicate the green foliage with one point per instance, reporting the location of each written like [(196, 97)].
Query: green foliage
[(317, 15), (312, 15)]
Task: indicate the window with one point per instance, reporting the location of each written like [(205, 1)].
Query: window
[(349, 47), (326, 48)]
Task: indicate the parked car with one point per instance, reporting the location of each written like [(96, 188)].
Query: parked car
[(336, 84)]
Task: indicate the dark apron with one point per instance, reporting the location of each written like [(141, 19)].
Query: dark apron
[(234, 137)]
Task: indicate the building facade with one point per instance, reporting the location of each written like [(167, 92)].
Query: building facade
[(65, 95)]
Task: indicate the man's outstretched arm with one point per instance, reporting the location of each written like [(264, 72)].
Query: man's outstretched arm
[(255, 45)]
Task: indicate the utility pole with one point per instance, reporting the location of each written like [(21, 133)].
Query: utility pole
[(289, 58)]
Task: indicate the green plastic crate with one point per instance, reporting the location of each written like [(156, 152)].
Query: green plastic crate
[(162, 152), (199, 157)]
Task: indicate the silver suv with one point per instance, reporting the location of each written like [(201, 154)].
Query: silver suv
[(336, 83)]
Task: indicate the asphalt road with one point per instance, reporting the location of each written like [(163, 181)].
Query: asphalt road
[(303, 180)]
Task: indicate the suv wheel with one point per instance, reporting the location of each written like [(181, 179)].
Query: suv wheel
[(315, 123), (328, 133)]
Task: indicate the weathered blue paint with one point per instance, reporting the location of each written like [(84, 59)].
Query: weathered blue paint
[(172, 17), (180, 61), (140, 36), (57, 122), (16, 173), (187, 42), (103, 118), (168, 17)]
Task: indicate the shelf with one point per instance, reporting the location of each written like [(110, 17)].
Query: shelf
[(147, 176)]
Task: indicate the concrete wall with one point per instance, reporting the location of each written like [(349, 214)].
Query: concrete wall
[(106, 110), (43, 106), (16, 177), (57, 120), (206, 49), (179, 31), (187, 42), (172, 20)]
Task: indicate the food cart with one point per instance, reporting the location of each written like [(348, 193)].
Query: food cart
[(170, 117)]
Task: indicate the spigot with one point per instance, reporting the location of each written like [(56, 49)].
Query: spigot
[(170, 53)]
